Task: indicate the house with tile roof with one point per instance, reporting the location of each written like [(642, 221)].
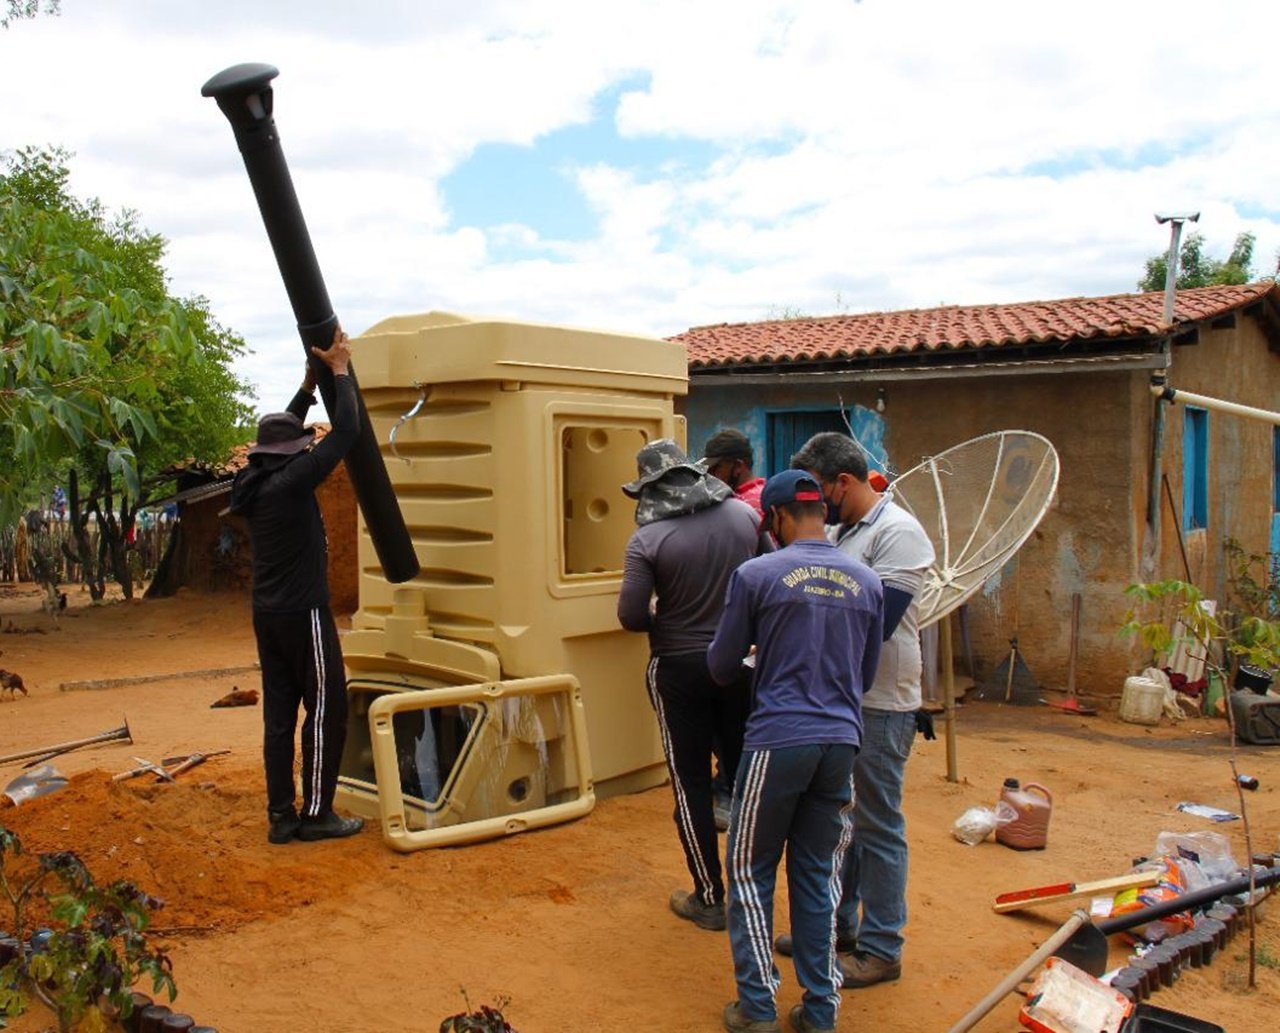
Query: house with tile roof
[(209, 550), (1147, 489)]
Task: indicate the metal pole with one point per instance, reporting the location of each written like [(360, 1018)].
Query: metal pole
[(1152, 560), (243, 92), (949, 698), (1171, 262)]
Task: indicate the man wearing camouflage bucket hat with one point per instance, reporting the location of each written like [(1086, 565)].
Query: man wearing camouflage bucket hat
[(691, 535)]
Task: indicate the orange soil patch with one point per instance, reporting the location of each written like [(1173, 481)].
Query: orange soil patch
[(570, 922)]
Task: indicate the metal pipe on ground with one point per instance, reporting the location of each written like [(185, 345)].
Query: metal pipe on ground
[(244, 94), (45, 752)]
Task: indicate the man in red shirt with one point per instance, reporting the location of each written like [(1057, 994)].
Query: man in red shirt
[(728, 456)]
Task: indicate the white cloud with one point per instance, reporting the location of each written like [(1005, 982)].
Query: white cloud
[(892, 154)]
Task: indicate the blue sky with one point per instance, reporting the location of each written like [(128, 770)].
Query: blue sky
[(535, 185), (657, 165)]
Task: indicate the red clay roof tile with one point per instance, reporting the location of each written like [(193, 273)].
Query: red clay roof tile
[(955, 327)]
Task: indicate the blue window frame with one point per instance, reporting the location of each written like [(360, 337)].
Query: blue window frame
[(1195, 469), (1274, 542)]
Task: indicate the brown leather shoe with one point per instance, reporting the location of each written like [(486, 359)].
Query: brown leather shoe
[(736, 1022), (704, 916), (861, 969), (784, 945), (802, 1025)]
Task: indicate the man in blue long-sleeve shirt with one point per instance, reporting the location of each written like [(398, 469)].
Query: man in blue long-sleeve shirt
[(297, 638), (809, 610)]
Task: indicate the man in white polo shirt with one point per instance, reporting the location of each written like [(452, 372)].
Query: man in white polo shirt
[(873, 529)]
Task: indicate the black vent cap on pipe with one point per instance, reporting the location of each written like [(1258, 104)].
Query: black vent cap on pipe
[(233, 86)]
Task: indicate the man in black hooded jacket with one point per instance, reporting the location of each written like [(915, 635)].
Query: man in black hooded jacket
[(297, 638)]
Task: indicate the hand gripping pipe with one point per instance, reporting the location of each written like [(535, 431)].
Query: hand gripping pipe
[(243, 92)]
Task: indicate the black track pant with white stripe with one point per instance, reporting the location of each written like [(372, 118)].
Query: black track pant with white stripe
[(692, 711), (301, 663)]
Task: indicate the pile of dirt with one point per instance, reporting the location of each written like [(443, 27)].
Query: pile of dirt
[(198, 845)]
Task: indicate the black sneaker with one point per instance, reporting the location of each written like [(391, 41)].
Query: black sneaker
[(328, 826), (284, 826), (704, 916)]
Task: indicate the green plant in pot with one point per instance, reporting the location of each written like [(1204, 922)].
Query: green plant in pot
[(95, 950)]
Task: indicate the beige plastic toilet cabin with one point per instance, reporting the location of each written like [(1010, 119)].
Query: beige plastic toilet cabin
[(495, 691)]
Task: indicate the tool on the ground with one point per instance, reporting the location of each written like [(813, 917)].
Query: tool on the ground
[(1012, 681), (168, 761), (1079, 920), (46, 752), (1018, 899), (144, 767), (1072, 703), (195, 760), (33, 784), (1087, 946)]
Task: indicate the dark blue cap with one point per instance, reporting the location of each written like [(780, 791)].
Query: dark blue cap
[(790, 486)]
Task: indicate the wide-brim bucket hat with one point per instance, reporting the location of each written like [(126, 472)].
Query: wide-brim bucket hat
[(281, 434), (655, 461)]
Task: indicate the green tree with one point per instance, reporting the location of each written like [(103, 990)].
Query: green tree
[(1195, 269), (102, 373), (15, 9)]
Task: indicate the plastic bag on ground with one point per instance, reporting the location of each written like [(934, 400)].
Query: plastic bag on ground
[(977, 823), (1211, 851), (1178, 876)]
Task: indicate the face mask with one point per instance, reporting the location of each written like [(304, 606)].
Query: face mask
[(833, 510)]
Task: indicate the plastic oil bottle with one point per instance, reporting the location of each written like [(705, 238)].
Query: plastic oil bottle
[(1034, 804)]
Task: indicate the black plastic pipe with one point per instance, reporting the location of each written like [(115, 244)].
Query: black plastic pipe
[(1087, 947), (243, 92), (1194, 899)]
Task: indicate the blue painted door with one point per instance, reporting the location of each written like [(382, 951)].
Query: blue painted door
[(788, 430)]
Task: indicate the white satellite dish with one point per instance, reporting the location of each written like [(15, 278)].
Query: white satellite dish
[(978, 502)]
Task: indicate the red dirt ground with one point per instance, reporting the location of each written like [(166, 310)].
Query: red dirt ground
[(569, 923)]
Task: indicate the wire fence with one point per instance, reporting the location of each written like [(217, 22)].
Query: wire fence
[(38, 543)]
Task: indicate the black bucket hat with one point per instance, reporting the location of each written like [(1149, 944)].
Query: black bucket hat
[(281, 434)]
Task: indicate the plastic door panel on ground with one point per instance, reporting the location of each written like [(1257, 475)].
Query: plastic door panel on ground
[(463, 763)]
